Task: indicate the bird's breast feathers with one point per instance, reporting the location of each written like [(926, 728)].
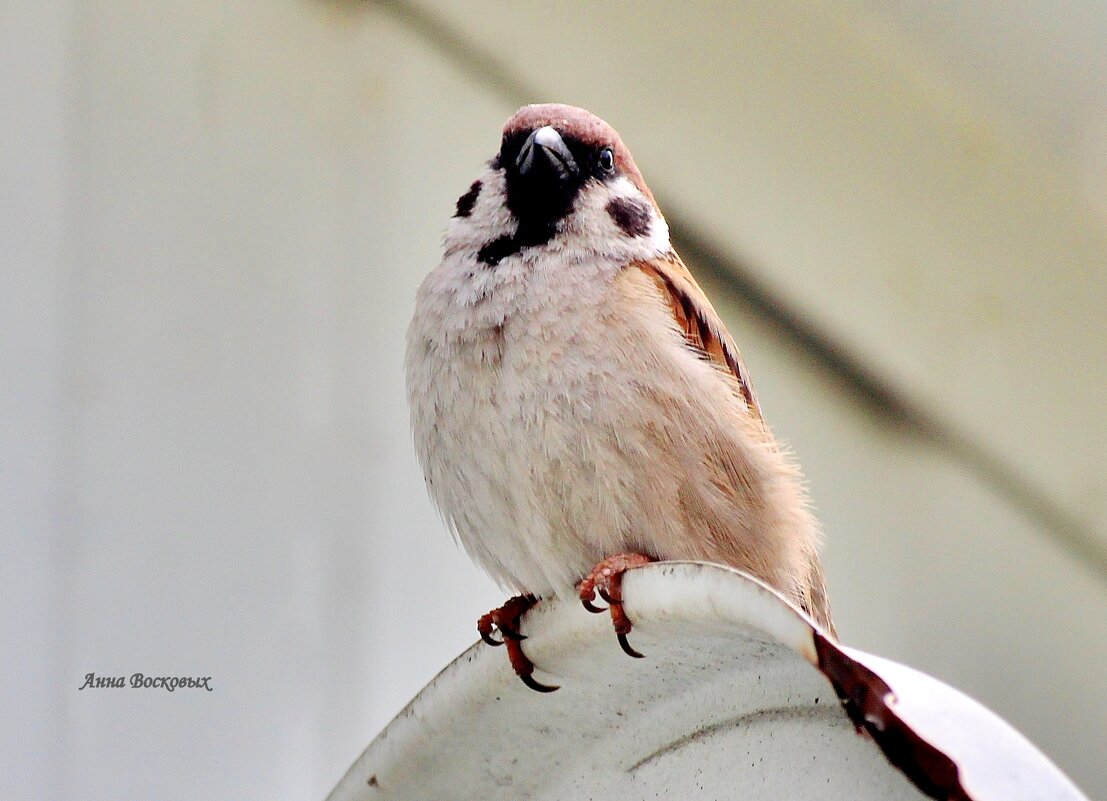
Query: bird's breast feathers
[(546, 396)]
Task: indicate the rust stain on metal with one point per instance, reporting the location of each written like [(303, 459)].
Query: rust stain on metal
[(867, 699)]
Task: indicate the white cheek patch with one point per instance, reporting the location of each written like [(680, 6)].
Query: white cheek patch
[(488, 218), (615, 219)]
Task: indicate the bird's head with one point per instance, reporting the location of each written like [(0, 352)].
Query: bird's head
[(562, 170)]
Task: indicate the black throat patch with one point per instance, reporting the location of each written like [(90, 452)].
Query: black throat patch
[(543, 194), (539, 194), (527, 236)]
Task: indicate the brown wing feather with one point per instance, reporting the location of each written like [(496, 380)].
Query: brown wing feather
[(699, 321)]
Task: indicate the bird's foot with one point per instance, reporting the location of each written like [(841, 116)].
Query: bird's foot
[(606, 579), (506, 620)]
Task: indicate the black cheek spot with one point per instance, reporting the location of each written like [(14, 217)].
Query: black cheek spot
[(632, 216), (466, 202)]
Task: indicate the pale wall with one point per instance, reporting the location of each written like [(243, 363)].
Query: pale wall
[(214, 217)]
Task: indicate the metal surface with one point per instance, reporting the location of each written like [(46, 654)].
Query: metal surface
[(731, 702)]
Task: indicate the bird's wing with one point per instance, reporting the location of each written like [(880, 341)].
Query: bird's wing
[(698, 320)]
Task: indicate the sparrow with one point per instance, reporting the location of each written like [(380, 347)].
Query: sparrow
[(578, 407)]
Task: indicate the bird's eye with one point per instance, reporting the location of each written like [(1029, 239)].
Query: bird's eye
[(607, 159)]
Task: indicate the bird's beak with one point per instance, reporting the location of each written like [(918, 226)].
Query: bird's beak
[(546, 151)]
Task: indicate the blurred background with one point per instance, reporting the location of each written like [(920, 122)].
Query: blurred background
[(214, 216)]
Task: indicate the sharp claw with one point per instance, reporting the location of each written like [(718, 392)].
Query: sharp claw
[(625, 645), (488, 638), (512, 634), (604, 595), (595, 610), (536, 686)]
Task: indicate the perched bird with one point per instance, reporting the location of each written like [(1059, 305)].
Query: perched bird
[(578, 407)]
